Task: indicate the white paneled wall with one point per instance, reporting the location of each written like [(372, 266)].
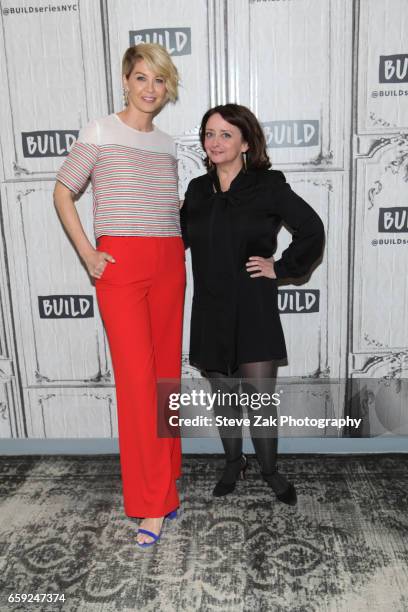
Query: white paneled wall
[(328, 80)]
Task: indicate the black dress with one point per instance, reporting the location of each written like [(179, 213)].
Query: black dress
[(235, 318)]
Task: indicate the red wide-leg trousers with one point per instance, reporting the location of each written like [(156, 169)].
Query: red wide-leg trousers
[(141, 299)]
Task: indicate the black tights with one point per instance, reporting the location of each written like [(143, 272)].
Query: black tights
[(264, 438)]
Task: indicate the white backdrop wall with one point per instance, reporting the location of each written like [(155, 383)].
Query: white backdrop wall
[(328, 79)]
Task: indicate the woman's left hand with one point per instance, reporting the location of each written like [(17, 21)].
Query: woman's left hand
[(259, 266)]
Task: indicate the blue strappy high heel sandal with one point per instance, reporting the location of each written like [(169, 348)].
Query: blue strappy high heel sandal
[(171, 515)]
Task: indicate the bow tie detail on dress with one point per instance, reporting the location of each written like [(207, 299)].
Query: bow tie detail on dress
[(228, 198)]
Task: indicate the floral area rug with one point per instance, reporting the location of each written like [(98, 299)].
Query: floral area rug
[(343, 548)]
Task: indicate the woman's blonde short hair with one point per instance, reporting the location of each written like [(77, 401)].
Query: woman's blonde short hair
[(158, 60)]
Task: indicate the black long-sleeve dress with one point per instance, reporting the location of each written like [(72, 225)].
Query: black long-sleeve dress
[(235, 318)]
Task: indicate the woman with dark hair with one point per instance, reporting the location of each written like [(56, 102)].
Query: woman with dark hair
[(230, 220)]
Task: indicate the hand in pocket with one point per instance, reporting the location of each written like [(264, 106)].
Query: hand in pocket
[(97, 262)]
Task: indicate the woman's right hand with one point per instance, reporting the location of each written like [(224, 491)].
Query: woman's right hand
[(96, 263)]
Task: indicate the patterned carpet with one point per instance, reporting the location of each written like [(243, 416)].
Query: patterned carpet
[(344, 548)]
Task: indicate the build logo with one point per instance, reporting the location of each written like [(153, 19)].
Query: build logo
[(393, 68), (291, 133), (393, 220), (65, 306), (55, 143), (298, 300), (177, 41)]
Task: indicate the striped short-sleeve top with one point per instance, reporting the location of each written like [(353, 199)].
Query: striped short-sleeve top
[(133, 175)]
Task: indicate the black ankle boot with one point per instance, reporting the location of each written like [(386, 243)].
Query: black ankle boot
[(232, 471), (284, 490)]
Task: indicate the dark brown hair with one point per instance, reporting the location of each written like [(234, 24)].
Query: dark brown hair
[(251, 131)]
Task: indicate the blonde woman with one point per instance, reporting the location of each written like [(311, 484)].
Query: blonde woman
[(138, 267)]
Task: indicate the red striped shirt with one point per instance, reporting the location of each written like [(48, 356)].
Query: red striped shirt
[(133, 175)]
